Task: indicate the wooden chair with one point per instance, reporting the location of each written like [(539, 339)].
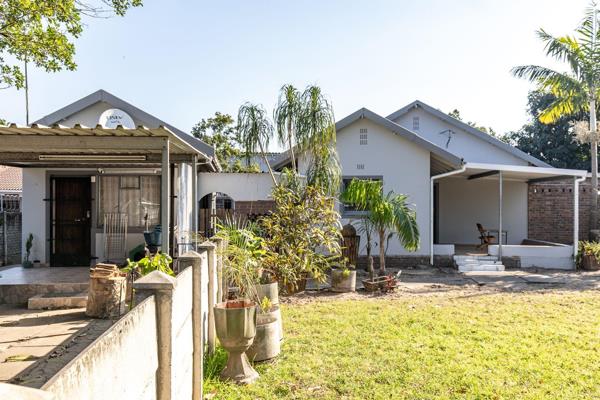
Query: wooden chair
[(484, 236)]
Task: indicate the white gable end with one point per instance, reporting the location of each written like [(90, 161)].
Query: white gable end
[(459, 142)]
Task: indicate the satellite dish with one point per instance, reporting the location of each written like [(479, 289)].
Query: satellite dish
[(114, 117)]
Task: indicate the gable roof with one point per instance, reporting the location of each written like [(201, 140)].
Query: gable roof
[(399, 130), (148, 120), (469, 129)]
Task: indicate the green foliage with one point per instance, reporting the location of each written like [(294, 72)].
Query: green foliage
[(572, 90), (159, 262), (28, 246), (242, 257), (42, 32), (265, 304), (287, 114), (254, 132), (553, 143), (385, 212), (586, 248), (303, 233)]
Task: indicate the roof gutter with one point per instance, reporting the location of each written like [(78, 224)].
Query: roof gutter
[(462, 169)]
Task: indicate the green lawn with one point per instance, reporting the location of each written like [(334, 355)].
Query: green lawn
[(495, 346)]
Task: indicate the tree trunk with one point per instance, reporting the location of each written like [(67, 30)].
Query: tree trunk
[(262, 151), (289, 129), (594, 150), (381, 252)]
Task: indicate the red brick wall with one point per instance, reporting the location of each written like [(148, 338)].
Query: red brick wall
[(550, 211), (252, 208)]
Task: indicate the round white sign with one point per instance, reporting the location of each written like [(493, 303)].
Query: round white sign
[(114, 117)]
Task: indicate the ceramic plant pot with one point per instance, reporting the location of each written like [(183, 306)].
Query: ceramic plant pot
[(235, 324)]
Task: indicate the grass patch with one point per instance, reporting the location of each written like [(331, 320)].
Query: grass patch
[(500, 346)]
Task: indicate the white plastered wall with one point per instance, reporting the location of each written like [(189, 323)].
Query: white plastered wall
[(34, 212), (238, 186), (463, 203), (403, 165)]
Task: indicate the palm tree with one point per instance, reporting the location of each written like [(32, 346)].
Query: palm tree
[(389, 212), (316, 136), (255, 131), (575, 91), (286, 117)]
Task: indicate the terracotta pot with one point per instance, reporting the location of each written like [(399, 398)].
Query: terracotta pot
[(343, 282), (235, 324)]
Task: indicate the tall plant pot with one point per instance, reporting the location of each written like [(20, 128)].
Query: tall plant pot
[(267, 343), (271, 292), (236, 328), (343, 280)]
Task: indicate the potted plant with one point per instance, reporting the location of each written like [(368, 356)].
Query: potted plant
[(343, 278), (28, 246), (236, 318), (303, 234), (267, 343), (588, 256)]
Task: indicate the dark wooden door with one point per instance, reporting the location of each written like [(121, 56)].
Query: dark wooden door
[(71, 224)]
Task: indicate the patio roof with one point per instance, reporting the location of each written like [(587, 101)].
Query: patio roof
[(519, 173), (80, 146)]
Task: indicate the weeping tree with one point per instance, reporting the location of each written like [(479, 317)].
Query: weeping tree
[(286, 116), (317, 138), (575, 91), (254, 132), (386, 213)]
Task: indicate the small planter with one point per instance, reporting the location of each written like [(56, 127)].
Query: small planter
[(27, 264), (267, 343), (343, 280), (270, 291), (590, 263), (235, 323), (36, 264), (381, 283)]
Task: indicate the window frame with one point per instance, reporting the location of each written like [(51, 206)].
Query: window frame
[(344, 213)]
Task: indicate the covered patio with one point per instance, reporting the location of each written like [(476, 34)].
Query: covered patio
[(66, 187), (495, 197)]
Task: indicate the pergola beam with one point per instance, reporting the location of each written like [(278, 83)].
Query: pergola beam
[(86, 144)]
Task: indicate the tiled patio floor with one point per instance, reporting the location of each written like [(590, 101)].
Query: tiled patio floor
[(17, 275)]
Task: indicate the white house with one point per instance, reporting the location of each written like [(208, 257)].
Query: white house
[(456, 177)]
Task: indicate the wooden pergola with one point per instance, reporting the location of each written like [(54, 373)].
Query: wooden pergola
[(57, 146)]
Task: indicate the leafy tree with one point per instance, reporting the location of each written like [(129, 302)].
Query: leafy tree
[(386, 212), (219, 132), (489, 130), (553, 143), (42, 32), (575, 91), (254, 132), (287, 114)]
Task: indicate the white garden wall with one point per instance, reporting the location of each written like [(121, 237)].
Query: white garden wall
[(238, 186)]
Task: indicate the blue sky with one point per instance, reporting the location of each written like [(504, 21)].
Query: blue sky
[(184, 60)]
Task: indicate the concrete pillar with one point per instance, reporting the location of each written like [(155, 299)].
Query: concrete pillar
[(500, 201), (221, 283), (195, 204), (165, 197), (161, 286), (193, 259), (212, 292)]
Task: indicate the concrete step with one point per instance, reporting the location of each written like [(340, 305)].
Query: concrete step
[(480, 267), (458, 259), (53, 301)]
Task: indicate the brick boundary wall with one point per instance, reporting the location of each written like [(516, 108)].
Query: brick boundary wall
[(250, 208), (12, 223), (550, 211)]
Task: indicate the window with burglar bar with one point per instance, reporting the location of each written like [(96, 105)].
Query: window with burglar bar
[(136, 196)]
